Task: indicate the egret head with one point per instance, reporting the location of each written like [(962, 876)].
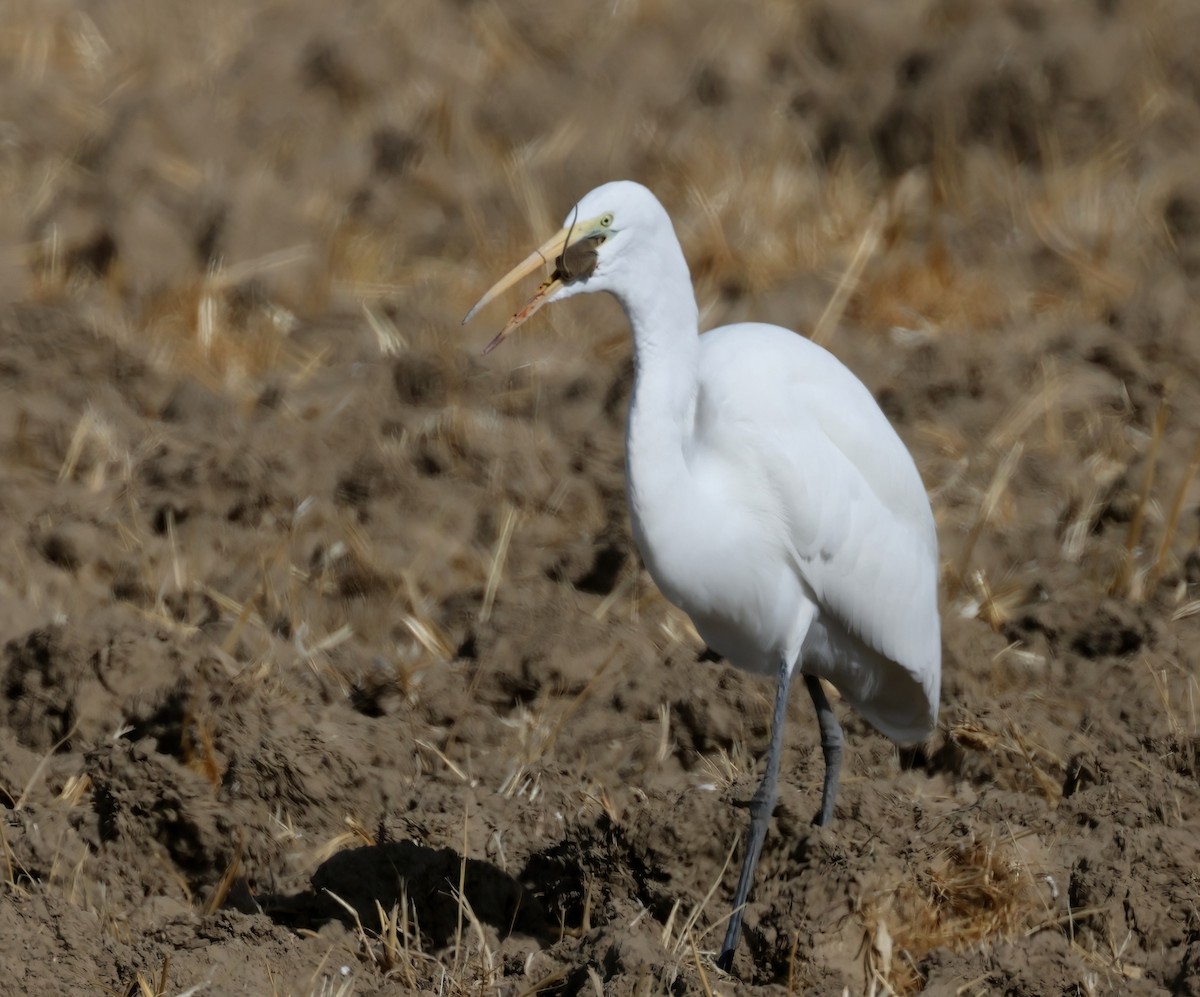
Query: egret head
[(596, 245)]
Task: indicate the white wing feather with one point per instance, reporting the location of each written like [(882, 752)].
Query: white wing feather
[(853, 507)]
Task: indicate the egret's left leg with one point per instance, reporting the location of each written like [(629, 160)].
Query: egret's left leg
[(831, 747), (762, 805)]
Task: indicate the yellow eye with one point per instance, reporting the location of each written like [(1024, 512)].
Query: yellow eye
[(606, 221)]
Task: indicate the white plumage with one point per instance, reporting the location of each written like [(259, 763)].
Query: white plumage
[(795, 499), (770, 497)]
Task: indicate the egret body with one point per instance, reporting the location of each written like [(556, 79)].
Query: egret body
[(770, 498)]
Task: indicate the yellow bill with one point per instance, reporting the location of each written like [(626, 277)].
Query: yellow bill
[(568, 265)]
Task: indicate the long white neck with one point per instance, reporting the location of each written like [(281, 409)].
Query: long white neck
[(661, 308)]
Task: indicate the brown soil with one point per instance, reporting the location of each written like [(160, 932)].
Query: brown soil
[(311, 615)]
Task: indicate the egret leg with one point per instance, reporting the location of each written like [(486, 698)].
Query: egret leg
[(831, 747), (762, 805)]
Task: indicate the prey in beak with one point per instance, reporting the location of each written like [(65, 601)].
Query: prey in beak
[(576, 247)]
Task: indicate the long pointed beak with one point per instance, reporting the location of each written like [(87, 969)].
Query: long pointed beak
[(544, 255)]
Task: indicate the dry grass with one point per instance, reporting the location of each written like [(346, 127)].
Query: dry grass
[(975, 893)]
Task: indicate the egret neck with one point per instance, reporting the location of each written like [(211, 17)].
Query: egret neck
[(661, 309)]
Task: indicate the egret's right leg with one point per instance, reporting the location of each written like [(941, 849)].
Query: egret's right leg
[(831, 746), (762, 805)]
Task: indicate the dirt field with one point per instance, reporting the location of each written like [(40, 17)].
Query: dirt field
[(328, 664)]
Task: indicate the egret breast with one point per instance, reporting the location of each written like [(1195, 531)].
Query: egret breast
[(716, 561)]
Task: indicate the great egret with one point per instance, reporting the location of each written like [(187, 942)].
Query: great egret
[(770, 498)]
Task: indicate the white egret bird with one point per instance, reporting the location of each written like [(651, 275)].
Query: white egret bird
[(770, 498)]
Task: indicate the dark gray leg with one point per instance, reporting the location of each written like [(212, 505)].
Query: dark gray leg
[(762, 805), (831, 746)]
